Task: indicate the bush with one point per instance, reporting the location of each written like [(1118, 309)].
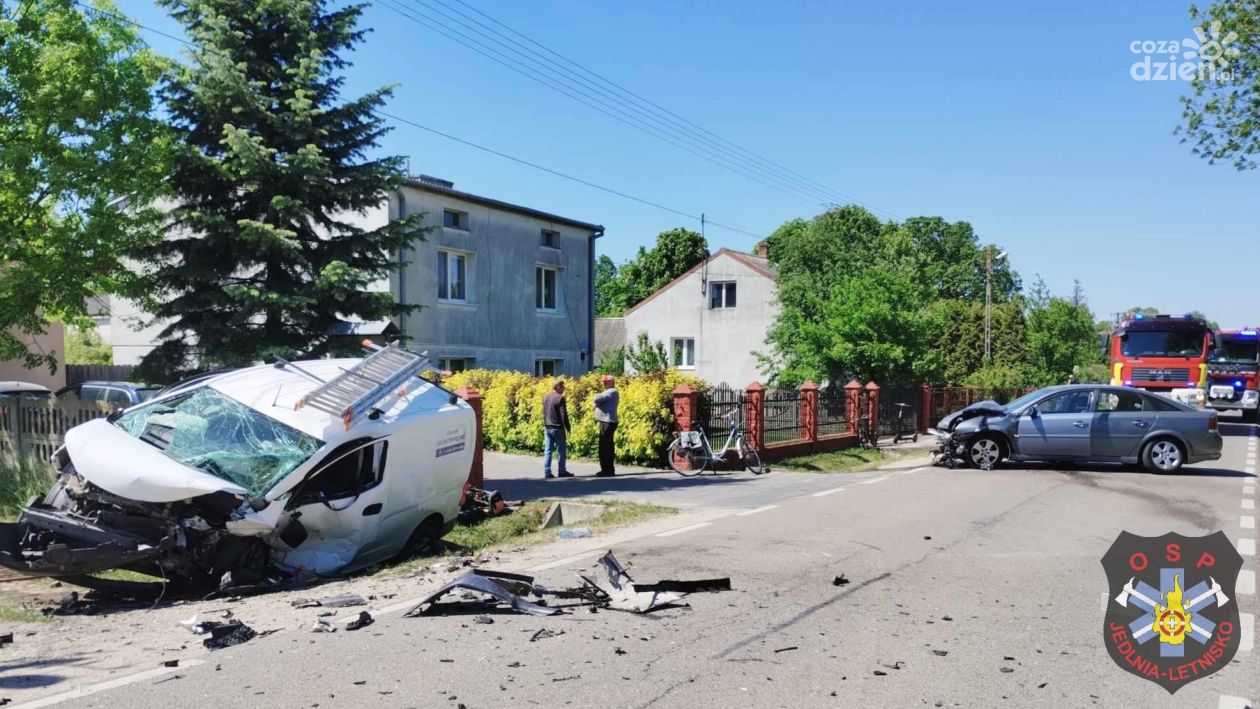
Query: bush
[(19, 483), (512, 411)]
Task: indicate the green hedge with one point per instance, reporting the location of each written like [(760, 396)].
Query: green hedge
[(512, 416)]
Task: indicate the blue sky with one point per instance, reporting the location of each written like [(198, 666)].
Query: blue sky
[(1023, 121)]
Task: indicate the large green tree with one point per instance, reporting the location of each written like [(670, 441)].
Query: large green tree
[(1061, 339), (952, 260), (1221, 118), (81, 158), (675, 252), (264, 256)]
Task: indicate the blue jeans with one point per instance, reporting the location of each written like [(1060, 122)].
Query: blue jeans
[(554, 439)]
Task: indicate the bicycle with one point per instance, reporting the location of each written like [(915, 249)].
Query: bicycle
[(690, 453), (868, 437), (901, 433)]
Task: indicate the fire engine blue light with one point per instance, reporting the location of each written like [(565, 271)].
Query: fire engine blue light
[(1128, 382), (1190, 384), (1139, 316), (1238, 383), (1246, 333)]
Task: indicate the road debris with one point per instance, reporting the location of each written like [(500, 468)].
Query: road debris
[(510, 589), (785, 649), (224, 635), (624, 594), (544, 634), (364, 620), (171, 663), (322, 625), (840, 581), (345, 601), (6, 639), (483, 620), (940, 653)]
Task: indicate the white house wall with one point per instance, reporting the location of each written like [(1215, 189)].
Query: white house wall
[(725, 338)]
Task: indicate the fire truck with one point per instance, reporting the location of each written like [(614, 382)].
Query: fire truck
[(1164, 354), (1232, 373)]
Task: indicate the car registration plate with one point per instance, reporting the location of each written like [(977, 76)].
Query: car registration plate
[(1222, 392)]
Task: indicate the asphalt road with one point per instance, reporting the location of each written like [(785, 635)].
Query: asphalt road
[(967, 588)]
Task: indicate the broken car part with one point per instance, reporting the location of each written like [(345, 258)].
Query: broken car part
[(223, 635), (364, 620), (626, 595), (507, 588)]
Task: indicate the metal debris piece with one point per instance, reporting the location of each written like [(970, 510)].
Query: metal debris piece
[(483, 620), (940, 653), (171, 663), (323, 626), (345, 601), (364, 620), (545, 633), (624, 594), (507, 588), (6, 639), (223, 635), (785, 649), (840, 581)]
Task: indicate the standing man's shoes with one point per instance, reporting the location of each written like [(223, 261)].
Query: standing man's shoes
[(604, 474), (549, 476), (565, 474)]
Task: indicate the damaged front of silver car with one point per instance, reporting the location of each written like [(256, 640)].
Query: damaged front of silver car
[(232, 482)]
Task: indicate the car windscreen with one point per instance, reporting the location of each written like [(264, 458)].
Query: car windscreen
[(212, 432), (1236, 351), (1023, 401), (1155, 343)]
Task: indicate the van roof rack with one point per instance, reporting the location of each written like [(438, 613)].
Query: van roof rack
[(356, 390)]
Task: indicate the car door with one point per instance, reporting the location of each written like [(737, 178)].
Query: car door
[(340, 506), (1057, 427), (1122, 418)]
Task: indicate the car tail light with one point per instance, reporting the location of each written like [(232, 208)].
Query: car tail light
[(1212, 422)]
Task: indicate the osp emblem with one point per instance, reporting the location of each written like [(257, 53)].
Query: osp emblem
[(1171, 617)]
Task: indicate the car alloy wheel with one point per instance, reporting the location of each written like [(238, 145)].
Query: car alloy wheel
[(1165, 455), (985, 453)]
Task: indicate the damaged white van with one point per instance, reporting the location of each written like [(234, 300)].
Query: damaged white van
[(319, 467)]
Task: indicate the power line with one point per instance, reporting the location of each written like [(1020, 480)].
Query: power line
[(585, 98), (643, 110), (712, 137)]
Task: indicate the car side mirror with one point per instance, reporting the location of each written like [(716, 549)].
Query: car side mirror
[(1033, 412)]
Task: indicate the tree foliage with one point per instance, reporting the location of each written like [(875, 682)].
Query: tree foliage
[(643, 356), (84, 346), (1061, 338), (76, 134), (617, 289), (1221, 119), (272, 163)]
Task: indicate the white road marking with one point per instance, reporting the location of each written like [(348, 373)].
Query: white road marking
[(1250, 470), (872, 481), (1248, 504), (680, 530), (1247, 623), (914, 470), (1249, 489), (1228, 702), (1247, 547), (827, 492), (1247, 522), (745, 513), (1246, 583), (91, 689)]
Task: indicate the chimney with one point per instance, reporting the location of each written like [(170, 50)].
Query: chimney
[(436, 182), (763, 249)]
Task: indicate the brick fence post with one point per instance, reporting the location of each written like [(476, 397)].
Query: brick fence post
[(872, 405), (852, 397), (684, 408), (925, 408), (755, 415), (477, 475), (809, 411)]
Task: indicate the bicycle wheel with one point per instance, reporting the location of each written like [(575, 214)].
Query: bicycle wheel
[(684, 461), (752, 460)]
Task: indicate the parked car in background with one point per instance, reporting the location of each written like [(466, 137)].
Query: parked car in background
[(26, 390), (1086, 423), (117, 395)]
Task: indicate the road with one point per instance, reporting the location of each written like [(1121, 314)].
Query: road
[(967, 588)]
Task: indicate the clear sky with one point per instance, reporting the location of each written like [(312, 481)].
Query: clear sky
[(1023, 121)]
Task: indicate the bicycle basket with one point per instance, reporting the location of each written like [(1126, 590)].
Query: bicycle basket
[(690, 439)]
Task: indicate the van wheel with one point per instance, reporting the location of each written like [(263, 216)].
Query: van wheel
[(425, 540), (985, 451), (1163, 455)]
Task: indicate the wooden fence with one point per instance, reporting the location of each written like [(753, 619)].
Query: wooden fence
[(34, 428), (76, 373)]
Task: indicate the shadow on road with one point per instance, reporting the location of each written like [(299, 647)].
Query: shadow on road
[(586, 486), (1190, 471), (1235, 429)]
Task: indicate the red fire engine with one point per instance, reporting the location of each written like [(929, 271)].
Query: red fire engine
[(1232, 377), (1163, 354)]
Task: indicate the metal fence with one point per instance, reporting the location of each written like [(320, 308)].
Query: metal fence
[(34, 428), (831, 411), (889, 411), (783, 416), (719, 410)]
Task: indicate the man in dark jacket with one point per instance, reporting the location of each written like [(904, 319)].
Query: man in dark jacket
[(555, 429)]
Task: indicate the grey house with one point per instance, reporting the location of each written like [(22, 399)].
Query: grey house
[(501, 286)]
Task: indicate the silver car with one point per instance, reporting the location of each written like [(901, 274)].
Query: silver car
[(1090, 423)]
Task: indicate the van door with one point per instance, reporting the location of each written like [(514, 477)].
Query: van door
[(340, 505)]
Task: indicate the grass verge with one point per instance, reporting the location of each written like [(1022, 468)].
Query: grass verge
[(845, 461), (521, 528), (20, 482), (20, 614)]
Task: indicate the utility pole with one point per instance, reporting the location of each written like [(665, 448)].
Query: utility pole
[(989, 258)]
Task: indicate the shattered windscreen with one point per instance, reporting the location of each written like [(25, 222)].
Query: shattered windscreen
[(216, 434)]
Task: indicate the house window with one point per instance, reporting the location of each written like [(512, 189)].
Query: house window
[(547, 367), (721, 295), (684, 349), (454, 219), (546, 281), (551, 239), (453, 277), (455, 364)]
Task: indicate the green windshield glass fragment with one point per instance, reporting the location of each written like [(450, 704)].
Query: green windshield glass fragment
[(213, 433)]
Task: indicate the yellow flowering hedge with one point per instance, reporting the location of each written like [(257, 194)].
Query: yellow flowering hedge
[(512, 411)]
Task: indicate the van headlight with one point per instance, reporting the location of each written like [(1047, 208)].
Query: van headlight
[(1251, 397)]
